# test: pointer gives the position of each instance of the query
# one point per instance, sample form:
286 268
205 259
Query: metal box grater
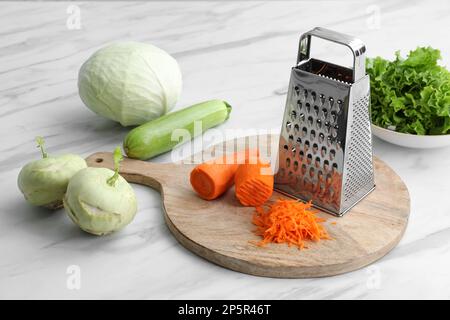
325 150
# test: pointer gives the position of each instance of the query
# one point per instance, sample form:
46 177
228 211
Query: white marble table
238 51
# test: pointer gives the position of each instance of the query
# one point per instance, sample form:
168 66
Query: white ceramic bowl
411 140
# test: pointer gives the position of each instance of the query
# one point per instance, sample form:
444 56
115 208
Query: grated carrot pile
289 221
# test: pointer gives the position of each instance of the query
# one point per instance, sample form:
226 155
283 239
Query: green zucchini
155 137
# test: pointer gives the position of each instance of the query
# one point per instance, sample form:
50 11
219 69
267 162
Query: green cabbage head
95 205
130 82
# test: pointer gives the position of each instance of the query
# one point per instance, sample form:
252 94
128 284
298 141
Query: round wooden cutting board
221 230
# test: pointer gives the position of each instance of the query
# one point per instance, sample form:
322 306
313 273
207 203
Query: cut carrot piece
212 178
253 183
289 221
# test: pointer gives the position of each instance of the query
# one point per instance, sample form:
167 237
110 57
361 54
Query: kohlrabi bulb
99 200
130 82
44 182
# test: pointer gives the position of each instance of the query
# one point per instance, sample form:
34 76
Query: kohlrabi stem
117 159
40 144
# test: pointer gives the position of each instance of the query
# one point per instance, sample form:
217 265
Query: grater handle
357 46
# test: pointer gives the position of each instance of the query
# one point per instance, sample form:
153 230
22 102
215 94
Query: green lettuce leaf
411 94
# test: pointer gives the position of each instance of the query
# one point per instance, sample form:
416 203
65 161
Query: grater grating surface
359 163
325 152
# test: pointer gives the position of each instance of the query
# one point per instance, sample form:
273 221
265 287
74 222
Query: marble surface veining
240 51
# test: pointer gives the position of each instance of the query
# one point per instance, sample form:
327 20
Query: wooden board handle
149 174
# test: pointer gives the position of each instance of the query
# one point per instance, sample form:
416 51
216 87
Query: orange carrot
289 221
212 178
253 183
